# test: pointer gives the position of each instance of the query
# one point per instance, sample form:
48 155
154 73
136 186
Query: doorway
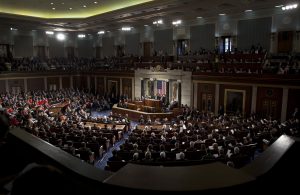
226 44
147 49
285 42
182 47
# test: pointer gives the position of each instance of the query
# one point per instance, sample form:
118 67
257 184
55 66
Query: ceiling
86 15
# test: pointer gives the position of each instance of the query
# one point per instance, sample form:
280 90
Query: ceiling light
70 8
60 37
49 32
288 7
176 23
158 22
126 28
101 32
279 6
53 8
84 6
51 3
222 14
62 3
199 17
95 2
81 35
248 10
13 28
146 25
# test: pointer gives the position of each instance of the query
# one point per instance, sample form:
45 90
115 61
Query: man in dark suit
296 114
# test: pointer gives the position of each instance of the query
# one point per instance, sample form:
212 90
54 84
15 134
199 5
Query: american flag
161 87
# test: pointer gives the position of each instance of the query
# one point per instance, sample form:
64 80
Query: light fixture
158 22
49 32
13 29
248 10
60 37
126 28
279 6
81 36
95 2
53 8
84 6
51 3
199 17
62 3
70 8
288 7
176 23
101 32
146 25
222 14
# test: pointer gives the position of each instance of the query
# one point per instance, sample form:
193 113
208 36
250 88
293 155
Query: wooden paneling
113 87
2 86
35 84
269 102
65 82
206 97
293 102
127 87
52 81
100 86
285 41
79 82
248 95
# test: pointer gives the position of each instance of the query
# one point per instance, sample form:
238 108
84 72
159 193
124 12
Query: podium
153 103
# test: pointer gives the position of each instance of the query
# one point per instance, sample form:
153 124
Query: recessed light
62 3
146 25
279 6
51 3
84 6
95 2
53 8
222 14
248 10
199 17
70 8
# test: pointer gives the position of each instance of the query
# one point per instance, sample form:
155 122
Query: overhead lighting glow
81 36
13 29
126 28
248 10
70 8
51 3
222 14
176 23
101 32
199 17
60 37
84 6
158 22
279 6
95 2
49 32
53 8
288 7
146 25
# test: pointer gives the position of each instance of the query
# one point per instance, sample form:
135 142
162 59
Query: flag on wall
161 87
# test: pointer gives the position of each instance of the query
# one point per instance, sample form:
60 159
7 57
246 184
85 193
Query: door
226 44
285 41
147 49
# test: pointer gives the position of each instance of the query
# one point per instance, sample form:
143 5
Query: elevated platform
135 114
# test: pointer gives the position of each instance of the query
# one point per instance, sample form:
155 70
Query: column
71 82
132 89
25 85
89 83
168 91
45 83
6 86
217 97
285 97
121 83
96 85
142 88
195 92
179 93
253 99
60 82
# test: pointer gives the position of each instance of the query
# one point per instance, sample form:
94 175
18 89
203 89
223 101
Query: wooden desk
56 108
135 115
153 103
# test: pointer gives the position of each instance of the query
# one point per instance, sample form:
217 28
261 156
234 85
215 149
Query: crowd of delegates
66 127
253 61
198 137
